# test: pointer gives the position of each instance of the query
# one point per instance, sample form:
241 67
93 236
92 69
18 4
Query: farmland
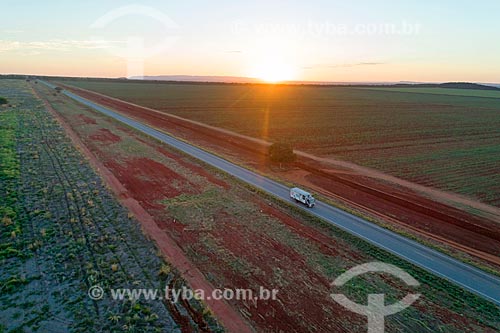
238 239
62 231
443 91
442 141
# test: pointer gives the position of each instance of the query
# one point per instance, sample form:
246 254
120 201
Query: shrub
281 152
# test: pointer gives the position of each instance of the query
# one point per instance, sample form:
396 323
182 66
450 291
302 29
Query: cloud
12 31
344 65
29 53
368 64
56 45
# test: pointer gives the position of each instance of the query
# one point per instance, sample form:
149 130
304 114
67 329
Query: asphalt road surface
466 276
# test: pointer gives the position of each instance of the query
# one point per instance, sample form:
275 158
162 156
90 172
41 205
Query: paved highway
466 276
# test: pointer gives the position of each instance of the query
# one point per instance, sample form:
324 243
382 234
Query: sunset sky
330 40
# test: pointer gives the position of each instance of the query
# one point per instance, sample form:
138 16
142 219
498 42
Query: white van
302 196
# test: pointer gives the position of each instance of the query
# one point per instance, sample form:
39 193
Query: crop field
448 142
62 232
443 91
240 239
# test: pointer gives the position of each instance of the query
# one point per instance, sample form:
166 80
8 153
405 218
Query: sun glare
273 72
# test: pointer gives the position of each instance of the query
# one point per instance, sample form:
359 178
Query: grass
440 140
8 156
11 221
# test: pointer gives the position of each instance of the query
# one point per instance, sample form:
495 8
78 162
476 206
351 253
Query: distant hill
449 85
466 85
496 85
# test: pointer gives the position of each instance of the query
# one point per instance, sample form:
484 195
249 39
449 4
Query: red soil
149 180
478 234
87 120
104 135
374 196
316 309
194 168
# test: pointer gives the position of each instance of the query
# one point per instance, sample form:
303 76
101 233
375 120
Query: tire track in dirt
57 166
44 281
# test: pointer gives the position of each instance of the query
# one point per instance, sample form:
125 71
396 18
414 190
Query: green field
443 141
444 91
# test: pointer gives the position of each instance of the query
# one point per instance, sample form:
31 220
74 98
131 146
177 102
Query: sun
273 71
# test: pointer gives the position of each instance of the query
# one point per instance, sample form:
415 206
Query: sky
314 40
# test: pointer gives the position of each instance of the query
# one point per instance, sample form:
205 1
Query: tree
3 100
281 152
